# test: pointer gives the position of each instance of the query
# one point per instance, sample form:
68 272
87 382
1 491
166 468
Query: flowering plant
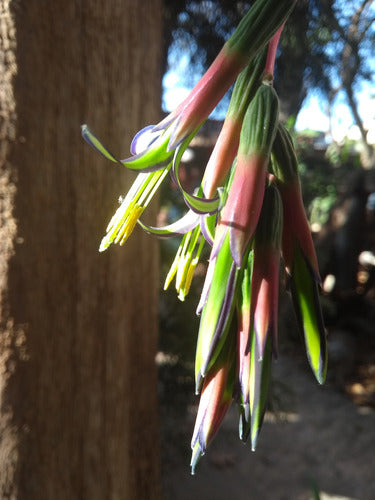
249 209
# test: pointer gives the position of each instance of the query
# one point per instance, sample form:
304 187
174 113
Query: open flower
153 162
153 147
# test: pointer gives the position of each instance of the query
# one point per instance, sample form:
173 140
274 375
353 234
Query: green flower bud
260 123
284 160
259 25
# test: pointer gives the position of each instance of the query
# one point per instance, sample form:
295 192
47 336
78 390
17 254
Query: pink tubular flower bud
216 398
265 280
244 203
296 229
222 156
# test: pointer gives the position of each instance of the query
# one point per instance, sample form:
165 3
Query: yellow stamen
139 196
129 224
189 275
182 272
172 272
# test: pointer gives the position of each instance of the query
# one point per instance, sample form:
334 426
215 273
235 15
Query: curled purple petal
147 169
198 204
143 139
94 142
190 201
150 160
188 222
205 230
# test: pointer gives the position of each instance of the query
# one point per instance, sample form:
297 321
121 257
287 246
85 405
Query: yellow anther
172 271
190 274
188 279
129 224
182 271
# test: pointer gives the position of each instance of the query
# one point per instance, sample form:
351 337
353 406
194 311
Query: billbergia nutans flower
249 209
252 34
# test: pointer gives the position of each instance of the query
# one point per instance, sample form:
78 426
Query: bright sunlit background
313 115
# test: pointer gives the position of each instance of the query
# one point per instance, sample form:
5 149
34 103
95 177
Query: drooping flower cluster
249 209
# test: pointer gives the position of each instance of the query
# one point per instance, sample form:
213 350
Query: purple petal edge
205 233
223 318
201 212
206 286
175 179
165 122
188 222
151 168
138 135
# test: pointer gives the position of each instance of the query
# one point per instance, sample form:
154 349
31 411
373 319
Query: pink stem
272 49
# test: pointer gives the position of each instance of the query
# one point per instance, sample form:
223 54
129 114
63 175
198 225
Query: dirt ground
318 436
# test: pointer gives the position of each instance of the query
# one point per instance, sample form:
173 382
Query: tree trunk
78 329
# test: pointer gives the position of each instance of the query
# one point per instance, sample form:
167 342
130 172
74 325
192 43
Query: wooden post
78 329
